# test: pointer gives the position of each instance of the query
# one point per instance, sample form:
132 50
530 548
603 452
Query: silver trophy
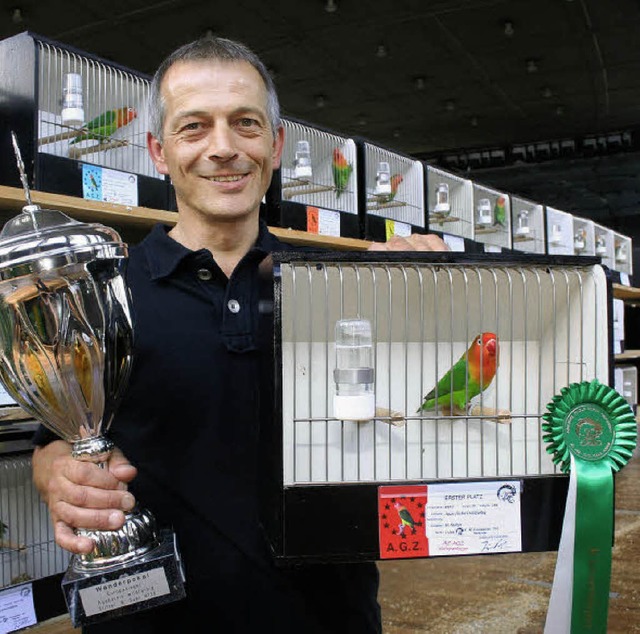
65 356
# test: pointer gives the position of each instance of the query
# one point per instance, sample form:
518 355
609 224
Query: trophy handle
138 535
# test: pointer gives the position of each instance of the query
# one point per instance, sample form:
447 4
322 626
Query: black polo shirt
201 386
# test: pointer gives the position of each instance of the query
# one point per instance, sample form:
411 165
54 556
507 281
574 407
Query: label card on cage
473 518
16 608
110 186
323 221
466 518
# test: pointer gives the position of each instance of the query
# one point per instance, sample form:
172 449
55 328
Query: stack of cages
316 187
604 246
527 222
389 454
392 193
626 383
584 236
450 208
31 564
623 257
492 219
81 124
559 232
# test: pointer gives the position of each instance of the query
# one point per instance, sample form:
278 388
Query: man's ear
157 154
278 145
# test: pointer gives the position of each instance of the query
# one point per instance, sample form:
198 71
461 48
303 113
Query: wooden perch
61 136
103 146
373 203
498 415
302 190
441 219
389 416
4 543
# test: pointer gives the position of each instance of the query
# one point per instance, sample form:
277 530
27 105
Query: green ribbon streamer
592 548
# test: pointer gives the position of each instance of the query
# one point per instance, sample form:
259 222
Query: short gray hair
212 49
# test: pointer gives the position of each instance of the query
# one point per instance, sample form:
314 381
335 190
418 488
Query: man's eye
247 122
194 125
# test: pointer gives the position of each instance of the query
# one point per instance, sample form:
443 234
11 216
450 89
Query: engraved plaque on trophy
65 356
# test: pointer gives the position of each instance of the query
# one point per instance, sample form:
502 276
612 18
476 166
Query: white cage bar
406 204
27 547
104 88
458 221
317 187
549 321
527 222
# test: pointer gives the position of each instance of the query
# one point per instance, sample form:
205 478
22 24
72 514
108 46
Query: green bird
342 170
468 377
406 521
500 212
104 125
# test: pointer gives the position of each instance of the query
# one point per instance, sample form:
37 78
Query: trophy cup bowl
65 356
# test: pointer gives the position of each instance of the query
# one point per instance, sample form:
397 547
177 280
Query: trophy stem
139 533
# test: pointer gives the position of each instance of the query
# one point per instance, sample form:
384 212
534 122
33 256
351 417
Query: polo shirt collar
164 254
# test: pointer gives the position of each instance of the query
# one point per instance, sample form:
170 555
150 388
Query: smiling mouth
230 178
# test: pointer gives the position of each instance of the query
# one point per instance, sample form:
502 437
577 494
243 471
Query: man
201 382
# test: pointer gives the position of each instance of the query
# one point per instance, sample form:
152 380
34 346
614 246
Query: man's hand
414 242
81 494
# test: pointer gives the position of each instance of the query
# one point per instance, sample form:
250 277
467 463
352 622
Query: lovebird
341 171
104 125
500 212
405 518
468 377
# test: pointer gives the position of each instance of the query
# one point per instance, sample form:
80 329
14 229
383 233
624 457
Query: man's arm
81 494
414 242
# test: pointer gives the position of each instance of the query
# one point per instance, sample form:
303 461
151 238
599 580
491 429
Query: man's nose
221 143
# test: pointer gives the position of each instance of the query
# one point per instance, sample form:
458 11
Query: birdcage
364 413
626 383
27 548
584 237
450 203
527 225
604 245
623 256
316 187
392 193
492 218
81 123
559 232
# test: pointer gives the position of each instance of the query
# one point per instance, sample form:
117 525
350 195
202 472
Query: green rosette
592 427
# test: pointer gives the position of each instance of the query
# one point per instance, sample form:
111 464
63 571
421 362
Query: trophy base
105 593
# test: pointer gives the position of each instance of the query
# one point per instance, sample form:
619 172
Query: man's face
218 147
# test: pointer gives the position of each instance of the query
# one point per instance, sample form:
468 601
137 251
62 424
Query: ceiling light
474 122
450 105
331 6
321 101
362 121
532 66
560 110
419 83
508 28
396 134
16 16
381 51
547 93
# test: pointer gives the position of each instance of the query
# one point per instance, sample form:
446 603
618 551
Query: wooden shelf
628 355
626 292
12 199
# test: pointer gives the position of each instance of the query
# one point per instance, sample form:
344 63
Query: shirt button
233 305
204 274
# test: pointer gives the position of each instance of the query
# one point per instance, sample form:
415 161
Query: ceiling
538 97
